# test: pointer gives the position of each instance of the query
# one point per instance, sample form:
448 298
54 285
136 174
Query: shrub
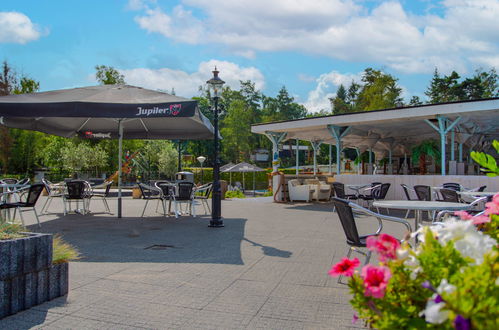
63 252
234 194
10 231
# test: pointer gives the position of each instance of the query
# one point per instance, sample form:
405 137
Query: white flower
467 239
433 312
445 287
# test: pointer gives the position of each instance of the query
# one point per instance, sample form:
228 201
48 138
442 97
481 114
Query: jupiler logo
173 110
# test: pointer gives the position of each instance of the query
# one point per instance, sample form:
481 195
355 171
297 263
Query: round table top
421 205
477 193
357 186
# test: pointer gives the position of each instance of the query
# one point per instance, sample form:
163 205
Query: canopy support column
315 145
330 158
444 126
460 152
452 146
297 156
338 132
120 162
275 138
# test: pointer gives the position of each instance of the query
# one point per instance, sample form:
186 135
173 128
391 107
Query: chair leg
407 214
348 256
144 210
37 220
64 204
44 205
21 215
108 210
193 208
175 209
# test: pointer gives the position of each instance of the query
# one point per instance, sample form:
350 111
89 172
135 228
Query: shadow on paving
151 239
317 206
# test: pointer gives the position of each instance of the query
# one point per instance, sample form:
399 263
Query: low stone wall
27 275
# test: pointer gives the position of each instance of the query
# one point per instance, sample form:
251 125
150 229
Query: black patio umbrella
107 111
244 168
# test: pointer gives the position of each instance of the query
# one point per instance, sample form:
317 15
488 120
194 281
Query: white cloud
464 35
17 28
187 84
318 99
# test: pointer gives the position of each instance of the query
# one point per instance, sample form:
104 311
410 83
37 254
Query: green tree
339 103
380 91
107 75
443 89
167 160
415 101
237 132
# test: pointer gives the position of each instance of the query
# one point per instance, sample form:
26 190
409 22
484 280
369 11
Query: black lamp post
215 84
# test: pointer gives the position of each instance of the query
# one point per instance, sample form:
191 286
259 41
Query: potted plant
425 148
33 268
447 281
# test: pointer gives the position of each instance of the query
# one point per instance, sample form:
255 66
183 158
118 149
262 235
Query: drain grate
159 247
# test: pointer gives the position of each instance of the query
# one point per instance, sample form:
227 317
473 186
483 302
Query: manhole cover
159 247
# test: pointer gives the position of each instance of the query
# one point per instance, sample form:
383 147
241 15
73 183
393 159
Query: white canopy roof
397 129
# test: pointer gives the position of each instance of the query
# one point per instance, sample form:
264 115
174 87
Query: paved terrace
267 269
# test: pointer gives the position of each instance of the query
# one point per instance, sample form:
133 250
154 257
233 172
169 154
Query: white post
330 158
297 155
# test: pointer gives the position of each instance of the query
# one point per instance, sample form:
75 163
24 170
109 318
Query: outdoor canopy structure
242 168
395 131
107 111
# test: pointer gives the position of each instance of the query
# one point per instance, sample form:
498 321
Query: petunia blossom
479 219
375 280
385 245
493 207
345 267
463 215
461 323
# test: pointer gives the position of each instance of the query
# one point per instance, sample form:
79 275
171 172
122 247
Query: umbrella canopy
243 168
93 112
107 111
226 167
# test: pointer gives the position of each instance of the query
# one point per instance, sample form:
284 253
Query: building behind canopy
457 127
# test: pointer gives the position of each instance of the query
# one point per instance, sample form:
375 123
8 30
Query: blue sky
310 46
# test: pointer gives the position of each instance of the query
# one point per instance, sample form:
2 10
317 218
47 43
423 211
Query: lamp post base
216 223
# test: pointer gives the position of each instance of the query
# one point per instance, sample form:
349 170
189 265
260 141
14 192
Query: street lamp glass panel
215 84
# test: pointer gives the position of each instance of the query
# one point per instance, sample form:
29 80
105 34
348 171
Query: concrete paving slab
266 269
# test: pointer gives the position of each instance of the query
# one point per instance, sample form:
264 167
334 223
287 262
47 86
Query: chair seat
362 241
12 205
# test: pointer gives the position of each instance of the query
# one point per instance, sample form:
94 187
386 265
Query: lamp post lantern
215 84
201 160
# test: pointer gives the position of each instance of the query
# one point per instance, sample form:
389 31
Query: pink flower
385 245
345 267
493 207
375 280
479 219
463 215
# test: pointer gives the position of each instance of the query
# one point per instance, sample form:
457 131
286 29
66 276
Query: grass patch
234 194
11 231
63 252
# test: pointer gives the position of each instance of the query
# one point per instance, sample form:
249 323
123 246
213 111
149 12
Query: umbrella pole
254 193
120 163
244 184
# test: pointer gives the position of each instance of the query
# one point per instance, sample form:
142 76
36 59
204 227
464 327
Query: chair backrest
108 188
406 191
166 187
76 189
208 191
34 193
482 188
339 189
381 192
9 180
184 190
347 221
423 192
452 185
47 184
23 181
147 191
449 195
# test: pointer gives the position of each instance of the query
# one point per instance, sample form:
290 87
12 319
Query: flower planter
27 275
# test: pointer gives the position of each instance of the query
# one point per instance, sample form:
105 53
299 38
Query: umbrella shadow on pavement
270 251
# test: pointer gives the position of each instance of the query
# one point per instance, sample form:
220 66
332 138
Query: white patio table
477 193
419 206
357 187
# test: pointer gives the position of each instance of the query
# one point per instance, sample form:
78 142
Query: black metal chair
185 195
204 195
408 196
345 210
482 188
102 195
423 192
76 190
339 191
378 192
52 192
452 185
32 196
151 193
449 195
9 180
168 194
